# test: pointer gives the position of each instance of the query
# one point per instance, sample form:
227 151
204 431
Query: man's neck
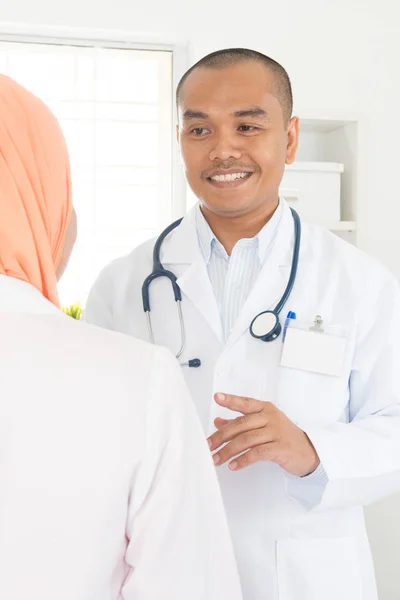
229 230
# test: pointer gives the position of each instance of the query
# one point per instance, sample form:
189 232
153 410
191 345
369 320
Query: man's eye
199 131
247 128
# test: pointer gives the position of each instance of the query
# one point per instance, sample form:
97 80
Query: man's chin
226 208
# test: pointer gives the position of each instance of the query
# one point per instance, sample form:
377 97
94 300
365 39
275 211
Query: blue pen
290 315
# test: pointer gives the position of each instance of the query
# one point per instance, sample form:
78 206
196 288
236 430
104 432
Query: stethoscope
266 326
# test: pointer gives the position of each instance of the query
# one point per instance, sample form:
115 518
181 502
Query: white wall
342 56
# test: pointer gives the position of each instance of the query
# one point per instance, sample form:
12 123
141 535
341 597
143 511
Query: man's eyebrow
253 111
194 114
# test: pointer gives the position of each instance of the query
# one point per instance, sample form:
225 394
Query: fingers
249 438
263 452
235 427
240 403
218 422
241 443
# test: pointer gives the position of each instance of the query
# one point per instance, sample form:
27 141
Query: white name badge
311 348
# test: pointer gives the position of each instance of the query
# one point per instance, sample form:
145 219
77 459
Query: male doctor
303 422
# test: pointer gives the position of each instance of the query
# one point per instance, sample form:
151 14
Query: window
115 109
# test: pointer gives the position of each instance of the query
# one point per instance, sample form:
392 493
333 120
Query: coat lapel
181 254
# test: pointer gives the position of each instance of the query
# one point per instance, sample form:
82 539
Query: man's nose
225 147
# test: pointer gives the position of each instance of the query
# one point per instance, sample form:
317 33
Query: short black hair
233 56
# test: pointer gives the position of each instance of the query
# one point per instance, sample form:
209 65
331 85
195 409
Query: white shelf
324 124
321 166
349 226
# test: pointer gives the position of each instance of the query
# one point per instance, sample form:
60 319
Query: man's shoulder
336 252
139 255
119 272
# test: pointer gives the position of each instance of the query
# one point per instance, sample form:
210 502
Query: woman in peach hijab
35 191
107 489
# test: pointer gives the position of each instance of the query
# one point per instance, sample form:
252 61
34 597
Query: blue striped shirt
233 277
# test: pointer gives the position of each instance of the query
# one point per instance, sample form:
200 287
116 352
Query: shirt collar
205 235
208 242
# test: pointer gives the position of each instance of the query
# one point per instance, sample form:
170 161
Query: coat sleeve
179 545
360 460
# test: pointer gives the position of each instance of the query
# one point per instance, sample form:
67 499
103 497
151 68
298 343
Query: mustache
224 166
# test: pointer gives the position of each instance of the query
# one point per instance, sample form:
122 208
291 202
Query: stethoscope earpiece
193 362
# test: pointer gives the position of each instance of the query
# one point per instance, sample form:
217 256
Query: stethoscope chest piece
266 326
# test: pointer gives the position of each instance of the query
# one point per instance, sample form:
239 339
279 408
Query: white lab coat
107 488
295 539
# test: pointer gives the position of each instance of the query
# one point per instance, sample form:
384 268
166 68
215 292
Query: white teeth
228 177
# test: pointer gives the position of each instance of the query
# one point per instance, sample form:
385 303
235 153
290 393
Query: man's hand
262 433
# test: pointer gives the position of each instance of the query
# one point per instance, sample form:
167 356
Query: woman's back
106 486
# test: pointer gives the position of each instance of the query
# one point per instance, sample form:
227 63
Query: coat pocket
319 569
